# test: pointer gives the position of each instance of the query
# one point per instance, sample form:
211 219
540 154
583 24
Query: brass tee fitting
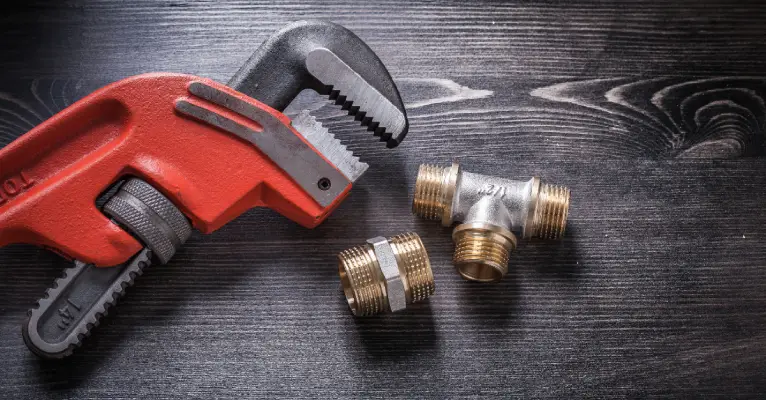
385 275
490 209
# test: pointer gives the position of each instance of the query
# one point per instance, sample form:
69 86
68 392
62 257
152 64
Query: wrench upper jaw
332 60
387 119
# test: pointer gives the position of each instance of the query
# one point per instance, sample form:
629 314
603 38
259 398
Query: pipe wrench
119 179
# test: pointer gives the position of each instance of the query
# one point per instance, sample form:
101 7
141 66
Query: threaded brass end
365 285
411 256
434 189
428 202
362 281
551 211
482 251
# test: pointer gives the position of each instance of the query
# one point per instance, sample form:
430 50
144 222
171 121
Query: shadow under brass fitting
489 209
385 275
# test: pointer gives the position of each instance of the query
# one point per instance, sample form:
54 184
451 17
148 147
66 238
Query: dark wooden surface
652 113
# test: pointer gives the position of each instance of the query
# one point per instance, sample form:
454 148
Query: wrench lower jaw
75 305
77 302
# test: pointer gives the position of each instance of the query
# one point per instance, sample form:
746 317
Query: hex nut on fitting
489 209
385 275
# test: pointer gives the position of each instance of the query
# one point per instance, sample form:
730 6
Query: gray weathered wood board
651 112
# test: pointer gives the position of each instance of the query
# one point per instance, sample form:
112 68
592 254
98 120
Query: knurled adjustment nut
397 298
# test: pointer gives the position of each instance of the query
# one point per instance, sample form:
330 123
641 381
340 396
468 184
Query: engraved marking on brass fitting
489 210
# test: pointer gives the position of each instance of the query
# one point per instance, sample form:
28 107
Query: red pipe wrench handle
212 151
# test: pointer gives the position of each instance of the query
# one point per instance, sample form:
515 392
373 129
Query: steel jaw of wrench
333 61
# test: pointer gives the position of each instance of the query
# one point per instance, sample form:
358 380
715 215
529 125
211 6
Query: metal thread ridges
364 283
477 251
550 220
417 268
429 202
362 280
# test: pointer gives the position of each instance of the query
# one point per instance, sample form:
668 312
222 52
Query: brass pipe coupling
385 275
489 210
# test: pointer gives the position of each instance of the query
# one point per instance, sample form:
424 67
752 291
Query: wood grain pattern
651 112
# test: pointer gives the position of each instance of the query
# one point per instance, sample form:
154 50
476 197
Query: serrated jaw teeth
354 94
360 115
330 147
